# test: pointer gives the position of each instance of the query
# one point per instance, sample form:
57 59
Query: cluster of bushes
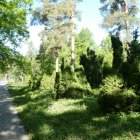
92 65
115 97
35 81
72 84
117 84
120 91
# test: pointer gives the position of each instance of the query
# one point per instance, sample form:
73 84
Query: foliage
57 17
92 64
106 44
35 82
32 51
114 97
76 118
72 84
77 91
107 69
118 13
15 73
117 52
126 71
112 83
14 66
13 29
134 47
120 17
47 82
134 61
106 51
53 15
7 57
36 75
46 61
13 21
83 41
54 11
131 69
40 64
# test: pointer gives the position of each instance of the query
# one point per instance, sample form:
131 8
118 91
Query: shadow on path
10 125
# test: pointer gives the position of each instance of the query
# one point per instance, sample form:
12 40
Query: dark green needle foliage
114 97
133 63
92 67
117 52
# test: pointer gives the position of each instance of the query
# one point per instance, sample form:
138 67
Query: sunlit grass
64 105
68 119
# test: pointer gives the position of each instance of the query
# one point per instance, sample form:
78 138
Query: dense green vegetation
13 30
72 88
70 119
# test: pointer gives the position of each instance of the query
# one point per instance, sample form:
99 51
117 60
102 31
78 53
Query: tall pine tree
59 15
120 16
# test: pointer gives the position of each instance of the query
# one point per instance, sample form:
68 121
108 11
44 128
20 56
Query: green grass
67 119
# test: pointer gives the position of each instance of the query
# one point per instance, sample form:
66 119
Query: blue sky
90 18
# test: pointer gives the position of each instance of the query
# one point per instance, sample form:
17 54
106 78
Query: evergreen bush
35 82
72 84
114 97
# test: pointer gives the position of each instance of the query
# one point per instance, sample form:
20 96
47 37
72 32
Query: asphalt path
10 125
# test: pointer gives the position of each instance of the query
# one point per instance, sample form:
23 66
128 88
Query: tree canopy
13 23
119 14
13 27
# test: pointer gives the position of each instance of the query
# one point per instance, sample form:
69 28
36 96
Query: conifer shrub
114 97
47 82
35 81
76 90
135 81
138 104
36 75
72 84
92 63
107 70
125 71
135 74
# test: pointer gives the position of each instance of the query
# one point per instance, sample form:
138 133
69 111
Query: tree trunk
57 78
72 40
56 60
126 27
72 44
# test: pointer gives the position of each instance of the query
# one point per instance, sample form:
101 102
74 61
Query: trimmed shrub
111 83
35 81
107 70
75 90
114 97
72 84
47 82
92 64
138 104
135 81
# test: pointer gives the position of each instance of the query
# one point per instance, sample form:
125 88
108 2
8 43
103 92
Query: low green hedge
114 97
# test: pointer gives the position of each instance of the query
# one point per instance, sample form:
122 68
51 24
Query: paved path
10 126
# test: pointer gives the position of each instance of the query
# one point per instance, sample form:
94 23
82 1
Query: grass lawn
67 119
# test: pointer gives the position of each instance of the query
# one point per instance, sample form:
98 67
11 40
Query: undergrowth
71 119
